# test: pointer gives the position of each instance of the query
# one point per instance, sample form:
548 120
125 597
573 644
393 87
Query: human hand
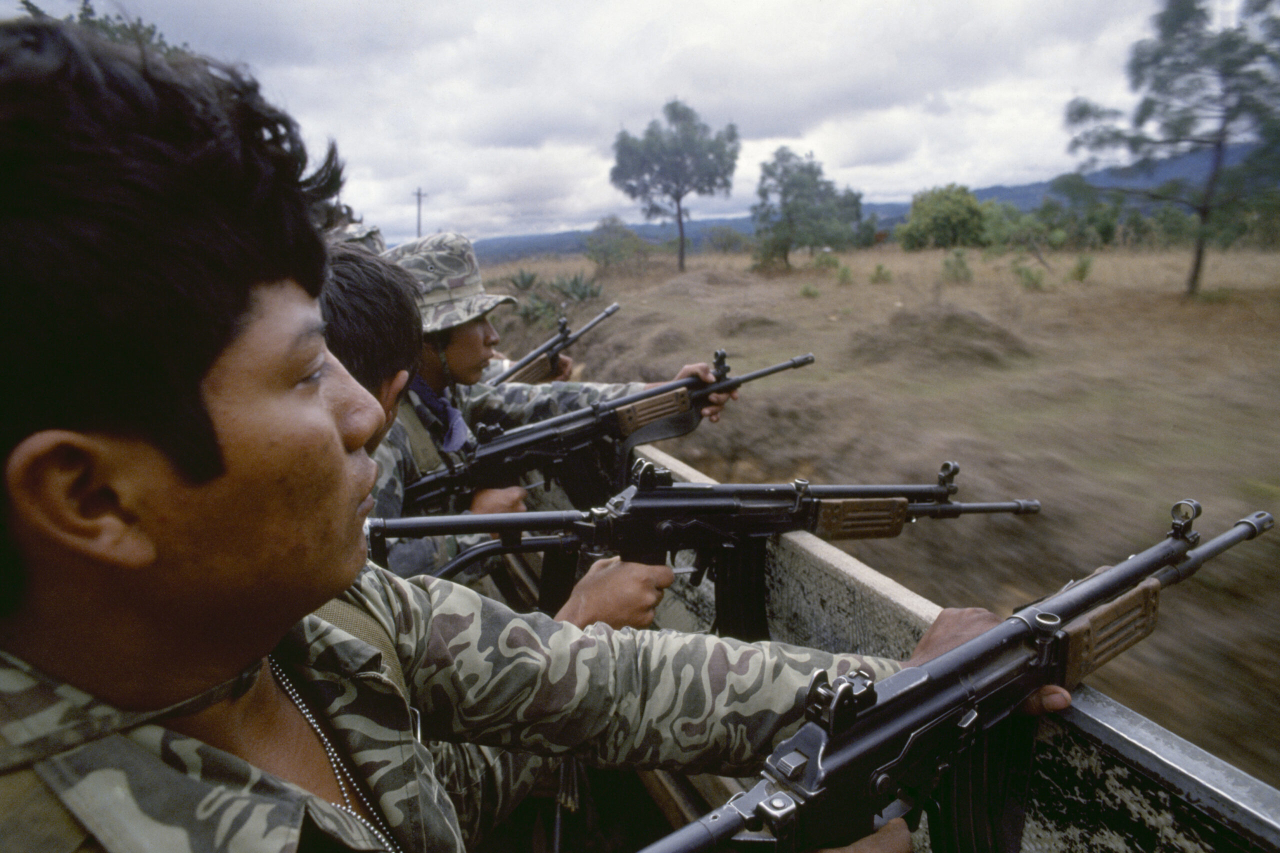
487 501
956 625
703 371
617 593
564 369
893 837
953 626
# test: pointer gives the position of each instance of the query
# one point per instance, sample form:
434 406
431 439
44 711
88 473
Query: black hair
142 200
372 324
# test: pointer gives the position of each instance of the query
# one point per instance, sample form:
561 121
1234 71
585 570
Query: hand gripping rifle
727 524
555 444
534 368
945 737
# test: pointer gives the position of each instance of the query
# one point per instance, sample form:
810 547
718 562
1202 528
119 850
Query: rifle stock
945 737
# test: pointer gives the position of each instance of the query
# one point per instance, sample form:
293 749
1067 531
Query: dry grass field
1107 400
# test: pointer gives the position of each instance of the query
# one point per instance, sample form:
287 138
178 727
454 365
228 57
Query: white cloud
505 112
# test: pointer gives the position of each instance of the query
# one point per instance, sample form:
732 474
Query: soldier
373 326
170 527
447 398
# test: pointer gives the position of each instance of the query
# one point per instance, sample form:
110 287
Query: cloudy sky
504 112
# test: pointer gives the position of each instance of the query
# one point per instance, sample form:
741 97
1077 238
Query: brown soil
1107 400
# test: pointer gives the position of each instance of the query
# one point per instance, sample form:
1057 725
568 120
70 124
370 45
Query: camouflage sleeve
416 556
615 698
514 404
395 468
485 783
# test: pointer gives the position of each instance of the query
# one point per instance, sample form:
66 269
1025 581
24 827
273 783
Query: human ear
390 392
65 488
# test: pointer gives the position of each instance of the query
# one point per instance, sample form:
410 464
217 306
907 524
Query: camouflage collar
72 717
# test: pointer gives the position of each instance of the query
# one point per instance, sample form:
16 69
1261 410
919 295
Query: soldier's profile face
284 520
470 349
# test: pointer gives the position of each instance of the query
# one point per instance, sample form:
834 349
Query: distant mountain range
1024 197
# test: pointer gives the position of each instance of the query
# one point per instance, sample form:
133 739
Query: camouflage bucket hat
369 236
449 291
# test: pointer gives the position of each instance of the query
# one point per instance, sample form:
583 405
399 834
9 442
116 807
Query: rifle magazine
861 518
980 802
1095 637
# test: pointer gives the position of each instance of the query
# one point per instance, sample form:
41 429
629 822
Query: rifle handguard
536 371
861 518
1095 637
636 415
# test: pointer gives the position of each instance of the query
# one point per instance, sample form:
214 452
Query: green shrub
881 275
722 238
1217 296
1031 278
523 280
826 261
1080 271
537 309
576 288
845 275
955 267
810 292
612 245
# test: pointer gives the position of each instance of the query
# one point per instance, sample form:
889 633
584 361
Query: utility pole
421 195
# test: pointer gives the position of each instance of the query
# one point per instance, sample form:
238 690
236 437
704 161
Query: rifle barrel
952 510
592 323
1243 530
440 525
553 346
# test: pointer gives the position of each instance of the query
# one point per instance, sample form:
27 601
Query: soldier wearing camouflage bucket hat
450 291
373 326
448 397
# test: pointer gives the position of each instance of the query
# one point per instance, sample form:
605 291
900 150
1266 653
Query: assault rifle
945 737
534 368
728 525
502 457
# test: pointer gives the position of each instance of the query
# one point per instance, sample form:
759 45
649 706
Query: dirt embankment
1107 400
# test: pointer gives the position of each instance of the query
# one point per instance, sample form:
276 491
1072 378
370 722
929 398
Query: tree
943 217
116 27
1202 90
668 163
799 208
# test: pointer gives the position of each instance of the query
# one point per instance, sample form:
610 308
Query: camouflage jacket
474 671
411 449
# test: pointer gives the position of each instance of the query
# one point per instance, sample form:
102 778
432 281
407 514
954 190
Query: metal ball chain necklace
346 782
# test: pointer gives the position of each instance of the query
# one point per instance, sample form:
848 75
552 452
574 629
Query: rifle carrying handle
1095 637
